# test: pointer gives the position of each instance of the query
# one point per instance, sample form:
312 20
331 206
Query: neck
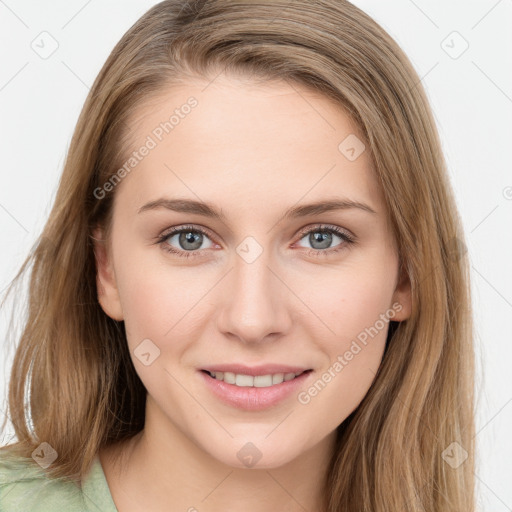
162 466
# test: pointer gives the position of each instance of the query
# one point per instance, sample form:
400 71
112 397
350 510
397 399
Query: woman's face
260 286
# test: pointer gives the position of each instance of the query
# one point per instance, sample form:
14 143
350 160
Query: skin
253 151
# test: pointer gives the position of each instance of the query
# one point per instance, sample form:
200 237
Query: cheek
159 301
161 305
357 311
351 299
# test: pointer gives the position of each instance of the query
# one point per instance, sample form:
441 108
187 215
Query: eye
188 239
321 239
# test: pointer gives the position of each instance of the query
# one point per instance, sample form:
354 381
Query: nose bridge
254 305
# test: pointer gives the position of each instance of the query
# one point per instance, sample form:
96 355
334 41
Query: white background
471 95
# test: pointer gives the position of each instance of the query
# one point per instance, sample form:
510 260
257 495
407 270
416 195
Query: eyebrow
208 210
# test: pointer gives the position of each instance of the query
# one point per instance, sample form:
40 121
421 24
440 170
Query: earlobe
108 294
402 297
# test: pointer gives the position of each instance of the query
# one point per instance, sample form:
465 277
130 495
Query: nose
255 303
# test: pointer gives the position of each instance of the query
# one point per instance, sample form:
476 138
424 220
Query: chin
260 453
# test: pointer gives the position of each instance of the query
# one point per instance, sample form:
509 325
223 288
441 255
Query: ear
402 296
108 295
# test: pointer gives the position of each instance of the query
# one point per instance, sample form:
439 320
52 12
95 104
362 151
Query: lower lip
252 398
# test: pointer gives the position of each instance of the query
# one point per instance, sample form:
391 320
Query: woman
185 349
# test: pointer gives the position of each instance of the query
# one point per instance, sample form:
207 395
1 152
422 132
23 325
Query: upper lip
264 369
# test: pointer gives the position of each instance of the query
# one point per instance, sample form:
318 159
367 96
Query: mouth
244 380
256 388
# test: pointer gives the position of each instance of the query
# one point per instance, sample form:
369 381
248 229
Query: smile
258 381
257 388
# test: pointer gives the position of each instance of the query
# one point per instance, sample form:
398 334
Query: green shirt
24 487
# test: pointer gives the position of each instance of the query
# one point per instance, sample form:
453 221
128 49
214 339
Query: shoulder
24 486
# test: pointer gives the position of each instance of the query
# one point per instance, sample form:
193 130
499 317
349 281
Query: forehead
233 140
226 104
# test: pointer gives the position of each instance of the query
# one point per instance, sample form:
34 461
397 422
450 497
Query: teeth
244 380
277 378
228 377
260 381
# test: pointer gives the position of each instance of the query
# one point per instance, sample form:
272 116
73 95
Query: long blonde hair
73 358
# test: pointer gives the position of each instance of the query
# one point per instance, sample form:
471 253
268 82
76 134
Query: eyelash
347 240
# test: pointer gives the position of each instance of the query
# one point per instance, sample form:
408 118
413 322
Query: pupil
190 238
323 238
